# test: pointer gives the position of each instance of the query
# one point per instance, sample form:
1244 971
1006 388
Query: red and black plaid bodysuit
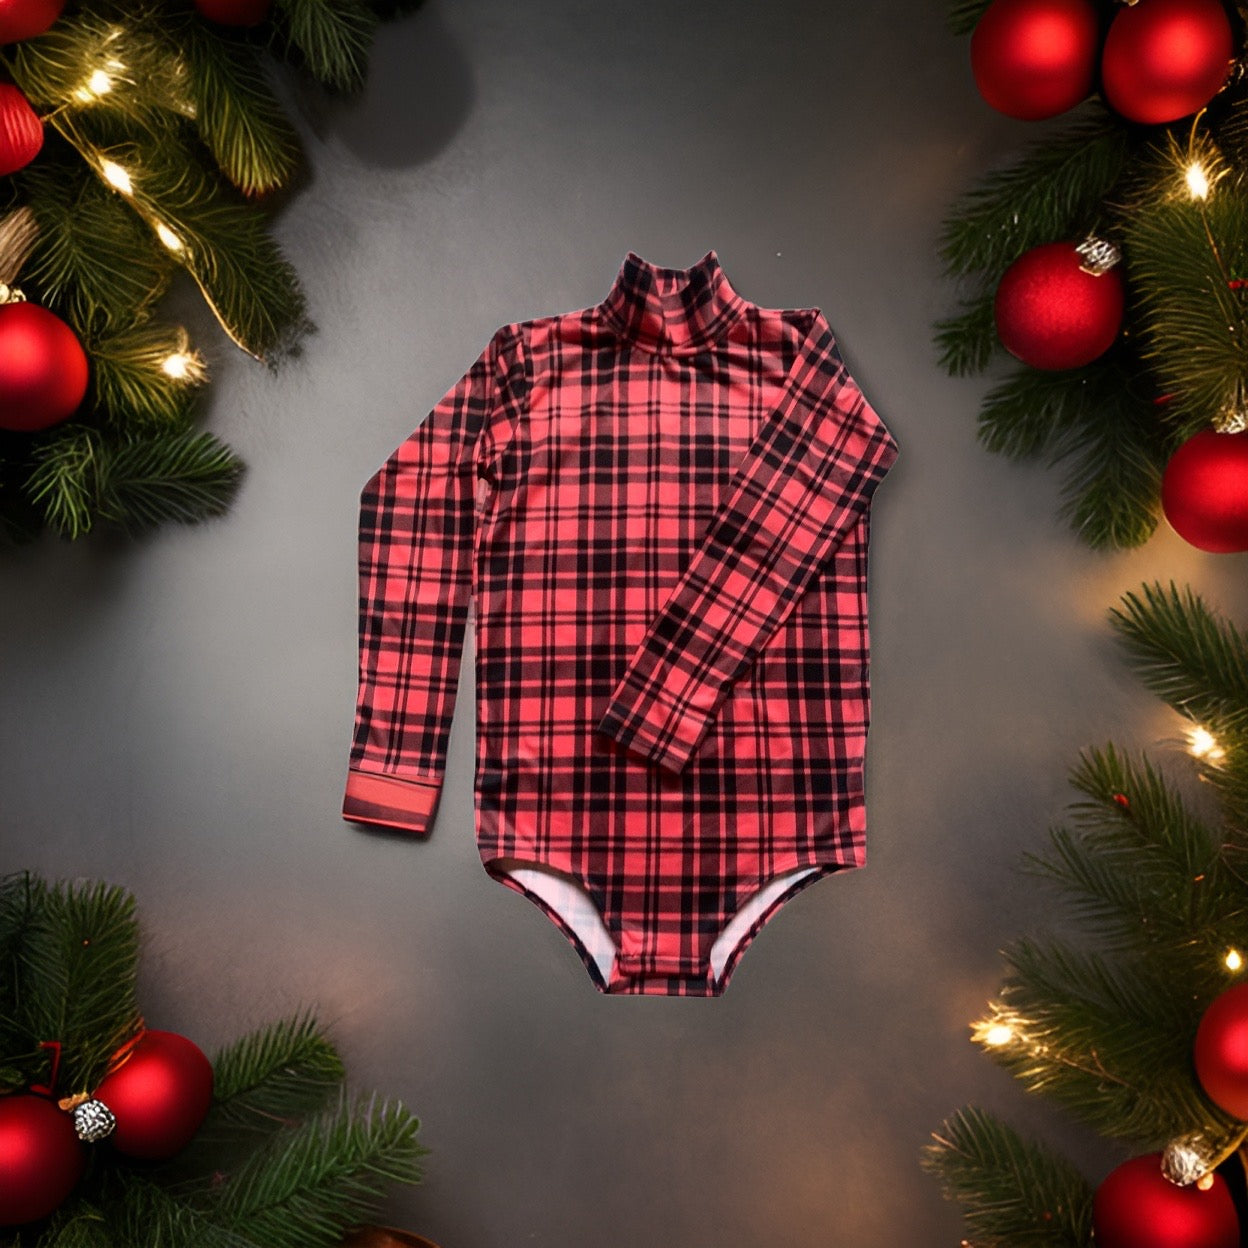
659 506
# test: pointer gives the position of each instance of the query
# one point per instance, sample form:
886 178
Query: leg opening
732 942
569 905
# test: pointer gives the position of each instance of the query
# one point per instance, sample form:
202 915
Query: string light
1197 180
1233 960
1202 744
168 237
183 365
116 177
992 1032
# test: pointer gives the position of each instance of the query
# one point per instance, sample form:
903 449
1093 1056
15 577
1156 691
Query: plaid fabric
660 506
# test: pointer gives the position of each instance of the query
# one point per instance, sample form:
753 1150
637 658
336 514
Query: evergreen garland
163 134
1181 362
285 1158
1104 1025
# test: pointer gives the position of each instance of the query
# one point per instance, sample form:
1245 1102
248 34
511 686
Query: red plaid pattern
660 505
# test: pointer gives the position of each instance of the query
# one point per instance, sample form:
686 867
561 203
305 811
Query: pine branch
131 481
1128 871
268 1079
1113 482
145 1213
1181 256
131 383
1109 1041
313 1181
94 258
238 116
1055 191
62 483
1107 436
221 241
1189 657
1014 1193
78 964
968 342
332 37
181 476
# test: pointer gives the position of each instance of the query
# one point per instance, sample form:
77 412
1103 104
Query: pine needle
1015 1194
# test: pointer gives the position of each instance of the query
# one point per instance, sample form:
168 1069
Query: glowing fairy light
1202 744
116 177
1197 180
998 1034
1233 960
183 366
168 237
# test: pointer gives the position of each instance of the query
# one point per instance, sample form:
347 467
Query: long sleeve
806 479
416 550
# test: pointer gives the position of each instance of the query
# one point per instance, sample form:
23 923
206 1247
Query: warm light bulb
99 83
1201 743
1233 961
116 177
998 1034
1197 180
183 366
168 237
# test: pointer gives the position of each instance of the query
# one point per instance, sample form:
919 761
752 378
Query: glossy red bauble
40 1158
234 12
1051 314
1138 1207
1221 1049
159 1095
1035 58
21 131
1165 59
24 19
1204 493
43 368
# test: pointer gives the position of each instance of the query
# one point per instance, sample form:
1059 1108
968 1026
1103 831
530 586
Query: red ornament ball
21 131
1051 314
24 19
1138 1207
43 368
40 1158
1221 1049
234 12
1035 58
1165 59
159 1095
1204 494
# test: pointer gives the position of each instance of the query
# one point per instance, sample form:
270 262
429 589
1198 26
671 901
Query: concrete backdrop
177 712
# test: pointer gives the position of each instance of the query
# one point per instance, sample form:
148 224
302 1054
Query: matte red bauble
159 1095
40 1158
24 19
1138 1207
43 368
1051 314
1165 59
1035 58
1221 1049
234 12
1204 493
21 131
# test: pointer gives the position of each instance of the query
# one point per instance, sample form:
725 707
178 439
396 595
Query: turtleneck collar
670 311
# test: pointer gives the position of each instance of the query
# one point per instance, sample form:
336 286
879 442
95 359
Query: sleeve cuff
670 747
390 801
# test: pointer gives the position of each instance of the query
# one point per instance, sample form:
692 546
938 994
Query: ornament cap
1187 1160
1097 255
93 1120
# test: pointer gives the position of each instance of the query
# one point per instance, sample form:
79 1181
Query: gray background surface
176 713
